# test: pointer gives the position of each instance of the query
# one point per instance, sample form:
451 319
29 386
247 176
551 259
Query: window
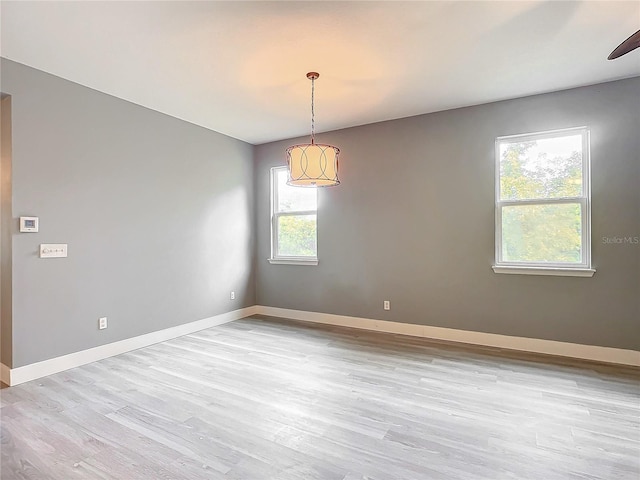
543 203
293 221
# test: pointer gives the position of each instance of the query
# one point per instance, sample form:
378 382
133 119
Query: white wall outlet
387 305
102 323
232 296
53 250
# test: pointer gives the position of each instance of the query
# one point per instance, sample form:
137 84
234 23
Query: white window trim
293 261
584 268
280 259
549 271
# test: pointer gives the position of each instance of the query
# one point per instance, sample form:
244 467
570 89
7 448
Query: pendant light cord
313 114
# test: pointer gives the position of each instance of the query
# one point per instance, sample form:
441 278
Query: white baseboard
535 345
15 376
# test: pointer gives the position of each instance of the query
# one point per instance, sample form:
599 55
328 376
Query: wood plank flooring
270 399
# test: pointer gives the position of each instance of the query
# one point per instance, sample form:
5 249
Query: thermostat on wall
28 224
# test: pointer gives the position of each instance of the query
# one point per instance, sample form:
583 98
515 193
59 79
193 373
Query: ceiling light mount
313 164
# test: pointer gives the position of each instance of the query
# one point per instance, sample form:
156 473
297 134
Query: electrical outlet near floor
232 296
102 323
387 305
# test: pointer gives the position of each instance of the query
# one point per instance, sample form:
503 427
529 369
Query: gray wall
5 230
413 223
159 218
157 212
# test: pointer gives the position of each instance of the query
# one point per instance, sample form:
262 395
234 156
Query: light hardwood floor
276 400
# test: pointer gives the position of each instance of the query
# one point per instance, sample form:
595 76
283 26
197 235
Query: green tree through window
294 215
542 199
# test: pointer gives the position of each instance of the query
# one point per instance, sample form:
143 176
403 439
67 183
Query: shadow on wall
226 239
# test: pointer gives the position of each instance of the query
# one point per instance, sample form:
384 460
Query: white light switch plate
53 250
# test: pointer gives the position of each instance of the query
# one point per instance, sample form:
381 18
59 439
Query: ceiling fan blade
625 47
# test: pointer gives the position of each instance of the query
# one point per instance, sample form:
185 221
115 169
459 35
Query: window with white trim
293 221
543 216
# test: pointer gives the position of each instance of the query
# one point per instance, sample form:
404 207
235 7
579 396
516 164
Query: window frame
582 269
276 258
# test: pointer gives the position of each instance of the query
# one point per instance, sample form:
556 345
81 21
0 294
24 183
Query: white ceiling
239 67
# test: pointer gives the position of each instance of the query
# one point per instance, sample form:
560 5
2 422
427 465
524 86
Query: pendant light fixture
313 164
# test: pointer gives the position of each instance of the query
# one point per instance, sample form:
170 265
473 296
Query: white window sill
552 271
293 261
